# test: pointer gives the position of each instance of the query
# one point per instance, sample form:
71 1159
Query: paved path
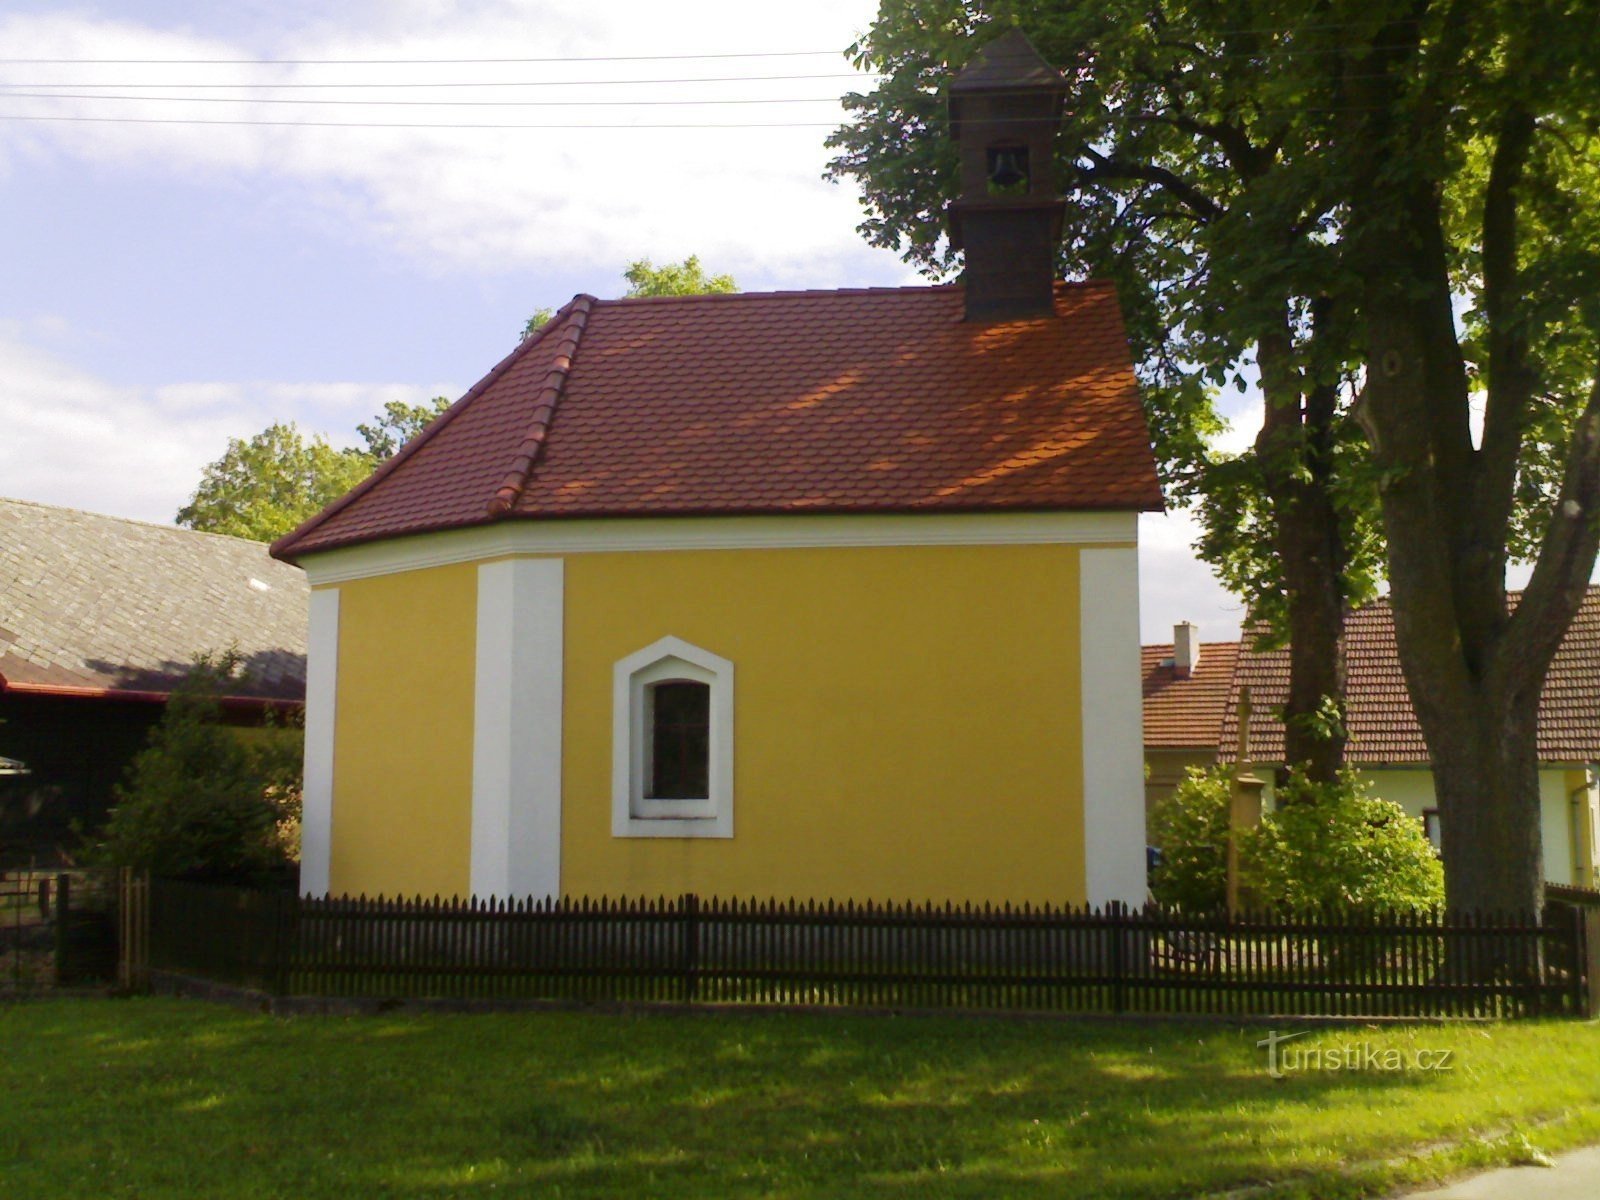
1575 1176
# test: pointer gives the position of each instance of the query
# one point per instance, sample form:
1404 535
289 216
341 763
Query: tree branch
1191 197
1566 558
1510 380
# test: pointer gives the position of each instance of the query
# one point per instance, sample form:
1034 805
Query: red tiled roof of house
880 400
1383 727
1185 712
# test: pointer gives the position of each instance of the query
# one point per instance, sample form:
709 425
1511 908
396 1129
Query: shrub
1190 828
203 800
1338 846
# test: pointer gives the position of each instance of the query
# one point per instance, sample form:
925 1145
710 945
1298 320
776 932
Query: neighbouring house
1386 743
99 618
813 594
1186 687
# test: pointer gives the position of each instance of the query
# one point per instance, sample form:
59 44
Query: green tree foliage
1327 845
396 425
1389 208
687 278
1339 846
203 800
265 485
1190 828
540 318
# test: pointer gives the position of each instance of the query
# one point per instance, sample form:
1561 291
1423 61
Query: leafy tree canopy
264 486
686 278
397 424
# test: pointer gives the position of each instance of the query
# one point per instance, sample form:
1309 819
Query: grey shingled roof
90 601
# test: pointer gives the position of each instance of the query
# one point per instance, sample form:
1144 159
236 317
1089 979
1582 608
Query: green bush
203 800
1338 846
1190 828
1327 846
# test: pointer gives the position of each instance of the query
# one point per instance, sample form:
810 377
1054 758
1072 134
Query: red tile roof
880 400
1383 727
1185 713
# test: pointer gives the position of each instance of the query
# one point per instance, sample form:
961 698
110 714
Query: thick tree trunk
1295 450
1487 780
1475 669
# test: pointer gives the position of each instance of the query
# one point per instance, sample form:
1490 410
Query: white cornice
717 533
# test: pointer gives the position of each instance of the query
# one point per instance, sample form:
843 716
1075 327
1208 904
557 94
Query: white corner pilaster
516 753
1113 726
322 685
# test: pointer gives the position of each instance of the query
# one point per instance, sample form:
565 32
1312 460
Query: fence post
63 907
278 969
1119 966
1587 959
690 905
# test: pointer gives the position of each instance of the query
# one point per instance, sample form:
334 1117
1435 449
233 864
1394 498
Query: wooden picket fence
57 928
1029 959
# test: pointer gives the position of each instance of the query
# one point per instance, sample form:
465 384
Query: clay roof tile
771 403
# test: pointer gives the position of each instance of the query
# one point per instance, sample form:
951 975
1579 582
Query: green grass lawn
179 1098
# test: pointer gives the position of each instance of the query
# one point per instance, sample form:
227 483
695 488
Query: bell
1008 167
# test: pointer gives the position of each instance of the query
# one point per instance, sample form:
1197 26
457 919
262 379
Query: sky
200 267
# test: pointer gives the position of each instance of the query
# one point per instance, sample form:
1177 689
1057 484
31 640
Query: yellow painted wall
402 774
906 721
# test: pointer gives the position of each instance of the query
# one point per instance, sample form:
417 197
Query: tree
1471 171
1390 206
397 424
264 486
540 318
202 800
687 278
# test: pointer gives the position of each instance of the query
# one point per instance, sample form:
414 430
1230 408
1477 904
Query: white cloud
1175 586
472 199
138 452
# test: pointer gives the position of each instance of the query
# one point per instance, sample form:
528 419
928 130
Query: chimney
1185 649
1005 108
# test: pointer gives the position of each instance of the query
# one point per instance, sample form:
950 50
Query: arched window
672 743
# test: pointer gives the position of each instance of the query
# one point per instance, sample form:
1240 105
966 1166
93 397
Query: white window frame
633 814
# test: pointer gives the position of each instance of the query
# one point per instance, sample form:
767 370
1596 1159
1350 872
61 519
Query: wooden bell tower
1005 108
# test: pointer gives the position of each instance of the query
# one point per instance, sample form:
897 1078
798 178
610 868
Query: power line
10 95
474 83
421 125
396 62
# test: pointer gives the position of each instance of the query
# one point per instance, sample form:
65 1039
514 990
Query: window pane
680 741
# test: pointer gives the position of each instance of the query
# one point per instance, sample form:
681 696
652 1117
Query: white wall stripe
516 758
1113 733
322 684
